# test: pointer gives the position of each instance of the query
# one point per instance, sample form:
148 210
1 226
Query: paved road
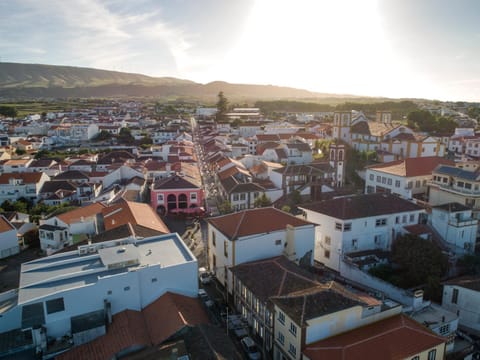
10 268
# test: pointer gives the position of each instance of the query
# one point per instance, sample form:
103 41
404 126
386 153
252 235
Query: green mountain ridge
20 81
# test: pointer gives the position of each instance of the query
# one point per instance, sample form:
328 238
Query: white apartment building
407 178
111 276
256 234
358 223
83 132
16 185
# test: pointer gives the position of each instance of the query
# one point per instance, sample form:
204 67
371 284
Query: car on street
204 276
250 348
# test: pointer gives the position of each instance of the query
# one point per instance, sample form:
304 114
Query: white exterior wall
467 307
123 172
256 247
363 230
460 232
9 243
181 278
407 186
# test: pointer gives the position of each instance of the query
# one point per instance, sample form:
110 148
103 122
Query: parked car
251 348
204 276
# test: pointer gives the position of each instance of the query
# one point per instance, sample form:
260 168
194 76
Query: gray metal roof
457 172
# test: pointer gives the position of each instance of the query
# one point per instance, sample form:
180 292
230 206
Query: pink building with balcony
176 194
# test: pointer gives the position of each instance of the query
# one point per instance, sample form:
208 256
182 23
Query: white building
462 297
358 223
16 185
110 276
8 238
83 132
68 228
256 234
408 178
454 222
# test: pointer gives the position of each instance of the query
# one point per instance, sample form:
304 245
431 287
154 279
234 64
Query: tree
423 120
262 201
222 107
446 126
225 207
8 111
420 261
286 208
125 136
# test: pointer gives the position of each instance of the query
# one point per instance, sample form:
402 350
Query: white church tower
337 161
342 120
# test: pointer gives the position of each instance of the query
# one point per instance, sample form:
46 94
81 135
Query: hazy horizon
410 49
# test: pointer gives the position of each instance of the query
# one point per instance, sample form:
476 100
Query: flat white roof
60 272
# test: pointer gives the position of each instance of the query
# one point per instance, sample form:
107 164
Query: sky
392 48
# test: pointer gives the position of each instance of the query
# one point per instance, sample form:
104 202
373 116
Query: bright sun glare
338 46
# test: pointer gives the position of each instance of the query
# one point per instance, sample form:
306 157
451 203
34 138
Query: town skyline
396 49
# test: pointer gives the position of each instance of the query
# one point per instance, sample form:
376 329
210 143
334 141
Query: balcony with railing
455 189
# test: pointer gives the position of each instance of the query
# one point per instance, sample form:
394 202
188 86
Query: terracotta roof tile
77 214
173 312
255 221
411 167
153 325
5 225
125 212
395 338
28 178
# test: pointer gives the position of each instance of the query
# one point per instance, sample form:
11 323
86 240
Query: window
409 185
326 253
281 317
328 240
160 197
193 196
384 180
213 238
432 354
235 197
278 242
292 350
338 226
293 329
154 280
454 296
404 219
397 220
397 183
389 181
381 222
372 177
444 329
242 196
255 195
418 183
379 179
412 218
126 288
55 305
109 292
377 239
281 338
416 358
214 261
225 248
347 226
354 243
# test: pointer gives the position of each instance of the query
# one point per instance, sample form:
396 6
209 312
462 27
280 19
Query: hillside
19 81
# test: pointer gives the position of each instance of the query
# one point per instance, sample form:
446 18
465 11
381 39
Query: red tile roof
83 212
398 337
154 324
134 213
5 225
170 313
255 221
411 167
28 178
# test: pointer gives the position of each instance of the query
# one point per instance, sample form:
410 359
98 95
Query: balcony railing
455 189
